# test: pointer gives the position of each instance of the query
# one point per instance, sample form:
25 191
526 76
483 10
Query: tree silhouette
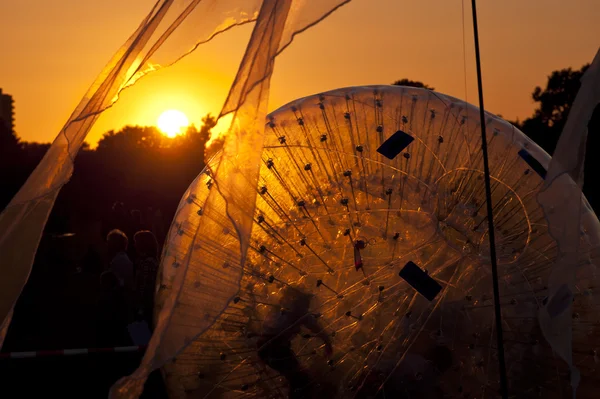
208 122
412 83
11 155
8 139
132 138
136 165
554 104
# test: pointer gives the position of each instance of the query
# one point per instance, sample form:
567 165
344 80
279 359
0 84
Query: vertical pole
490 216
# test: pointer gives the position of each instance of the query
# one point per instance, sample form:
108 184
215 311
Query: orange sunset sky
51 51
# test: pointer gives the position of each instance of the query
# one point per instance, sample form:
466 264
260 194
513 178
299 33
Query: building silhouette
7 115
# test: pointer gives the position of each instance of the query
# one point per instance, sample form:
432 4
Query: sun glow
172 122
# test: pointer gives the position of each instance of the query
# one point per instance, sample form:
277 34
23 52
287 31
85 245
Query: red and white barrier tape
71 352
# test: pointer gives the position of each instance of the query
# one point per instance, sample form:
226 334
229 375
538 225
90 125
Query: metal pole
490 217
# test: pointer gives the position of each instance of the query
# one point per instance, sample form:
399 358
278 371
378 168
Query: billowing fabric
561 200
23 220
172 29
223 225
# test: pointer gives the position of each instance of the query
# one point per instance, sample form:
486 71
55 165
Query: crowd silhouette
95 269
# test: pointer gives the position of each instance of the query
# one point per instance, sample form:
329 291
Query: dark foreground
86 376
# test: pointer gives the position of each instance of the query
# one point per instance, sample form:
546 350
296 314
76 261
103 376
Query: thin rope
464 49
490 216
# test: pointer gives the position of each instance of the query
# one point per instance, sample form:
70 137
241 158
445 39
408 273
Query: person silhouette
279 329
120 263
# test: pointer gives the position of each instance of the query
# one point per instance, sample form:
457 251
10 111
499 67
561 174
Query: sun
171 122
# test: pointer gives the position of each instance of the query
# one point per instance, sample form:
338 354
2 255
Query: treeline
136 166
142 168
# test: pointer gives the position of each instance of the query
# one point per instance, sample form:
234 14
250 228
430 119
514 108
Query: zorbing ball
370 235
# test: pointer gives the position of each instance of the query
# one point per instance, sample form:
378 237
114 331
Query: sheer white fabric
563 204
22 222
172 29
